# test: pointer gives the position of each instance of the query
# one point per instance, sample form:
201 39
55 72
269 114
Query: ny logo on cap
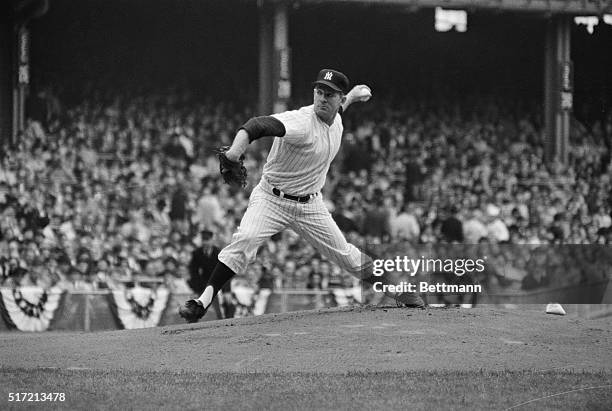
328 75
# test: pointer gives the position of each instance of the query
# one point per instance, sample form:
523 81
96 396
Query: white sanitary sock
207 296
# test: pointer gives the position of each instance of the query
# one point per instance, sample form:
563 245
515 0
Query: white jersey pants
268 214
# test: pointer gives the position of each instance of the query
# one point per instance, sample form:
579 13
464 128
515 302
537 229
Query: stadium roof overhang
575 7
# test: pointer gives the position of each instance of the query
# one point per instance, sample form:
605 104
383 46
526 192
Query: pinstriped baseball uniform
297 165
289 193
299 161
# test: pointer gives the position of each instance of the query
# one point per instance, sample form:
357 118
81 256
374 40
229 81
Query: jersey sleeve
296 122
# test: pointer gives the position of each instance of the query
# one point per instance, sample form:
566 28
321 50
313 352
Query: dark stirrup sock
220 275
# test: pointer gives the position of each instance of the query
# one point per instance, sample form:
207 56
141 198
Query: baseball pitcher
289 193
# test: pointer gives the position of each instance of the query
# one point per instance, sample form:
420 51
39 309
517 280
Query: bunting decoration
139 307
29 308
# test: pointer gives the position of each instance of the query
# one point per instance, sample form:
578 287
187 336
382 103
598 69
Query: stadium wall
95 311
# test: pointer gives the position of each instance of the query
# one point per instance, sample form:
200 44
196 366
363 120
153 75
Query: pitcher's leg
262 219
317 226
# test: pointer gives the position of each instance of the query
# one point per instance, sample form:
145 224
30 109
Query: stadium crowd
119 187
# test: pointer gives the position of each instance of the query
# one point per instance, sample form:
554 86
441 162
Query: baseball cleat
192 310
410 300
555 308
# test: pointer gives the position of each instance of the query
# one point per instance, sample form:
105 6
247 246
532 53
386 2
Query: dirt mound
333 340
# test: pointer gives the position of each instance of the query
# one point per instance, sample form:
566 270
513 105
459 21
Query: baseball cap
333 79
206 234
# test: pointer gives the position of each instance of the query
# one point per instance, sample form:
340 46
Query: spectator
405 226
452 228
376 221
497 229
203 260
95 178
474 229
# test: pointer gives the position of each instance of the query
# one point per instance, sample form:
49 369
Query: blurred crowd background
114 178
121 185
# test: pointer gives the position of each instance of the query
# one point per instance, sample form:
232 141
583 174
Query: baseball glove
233 172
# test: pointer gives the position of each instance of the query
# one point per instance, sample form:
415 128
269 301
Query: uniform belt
303 199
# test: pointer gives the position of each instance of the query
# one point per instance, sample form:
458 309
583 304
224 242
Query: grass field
484 390
330 359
